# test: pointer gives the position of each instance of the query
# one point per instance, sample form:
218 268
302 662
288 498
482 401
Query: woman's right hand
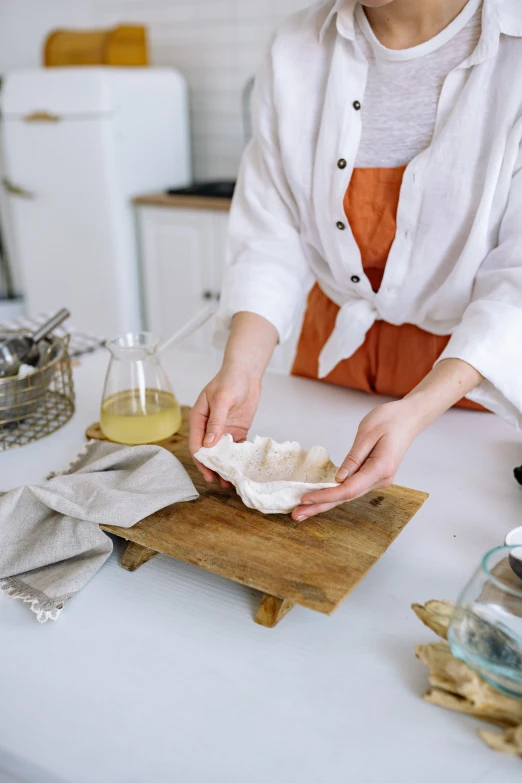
229 402
227 405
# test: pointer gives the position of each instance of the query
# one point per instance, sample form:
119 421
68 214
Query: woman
386 172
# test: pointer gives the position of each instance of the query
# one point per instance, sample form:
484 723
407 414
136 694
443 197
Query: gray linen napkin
50 542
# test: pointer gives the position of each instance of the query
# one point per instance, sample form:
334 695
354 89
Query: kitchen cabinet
181 252
182 249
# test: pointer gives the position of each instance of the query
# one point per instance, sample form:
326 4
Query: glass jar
138 403
485 630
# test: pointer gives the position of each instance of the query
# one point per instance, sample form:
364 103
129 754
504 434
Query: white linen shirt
455 266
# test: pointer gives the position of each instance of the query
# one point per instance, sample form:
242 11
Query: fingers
306 511
198 418
197 427
303 512
207 420
217 418
207 474
204 419
375 473
362 446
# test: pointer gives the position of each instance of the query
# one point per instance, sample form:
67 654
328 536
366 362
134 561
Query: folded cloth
50 540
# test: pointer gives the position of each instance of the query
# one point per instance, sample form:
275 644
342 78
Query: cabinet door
178 259
183 256
220 234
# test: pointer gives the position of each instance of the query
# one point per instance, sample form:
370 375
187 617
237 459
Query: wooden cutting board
314 564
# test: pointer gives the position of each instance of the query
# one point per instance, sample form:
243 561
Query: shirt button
355 279
341 163
356 105
340 226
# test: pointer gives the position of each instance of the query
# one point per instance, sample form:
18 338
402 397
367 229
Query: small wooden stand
272 609
454 685
314 564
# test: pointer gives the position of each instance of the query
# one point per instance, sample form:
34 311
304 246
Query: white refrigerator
78 144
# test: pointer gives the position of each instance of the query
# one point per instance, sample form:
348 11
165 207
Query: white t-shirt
404 85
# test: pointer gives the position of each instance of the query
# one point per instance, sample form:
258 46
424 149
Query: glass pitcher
138 404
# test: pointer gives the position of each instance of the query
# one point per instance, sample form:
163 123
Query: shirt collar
343 12
499 17
509 15
504 16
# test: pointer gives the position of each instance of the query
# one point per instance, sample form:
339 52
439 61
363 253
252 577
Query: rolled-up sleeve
267 272
489 336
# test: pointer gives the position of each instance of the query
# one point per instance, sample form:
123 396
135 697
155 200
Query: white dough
268 476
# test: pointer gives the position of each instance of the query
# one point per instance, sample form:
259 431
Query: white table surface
161 675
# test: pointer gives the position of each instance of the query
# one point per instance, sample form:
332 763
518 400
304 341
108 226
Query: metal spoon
189 328
22 348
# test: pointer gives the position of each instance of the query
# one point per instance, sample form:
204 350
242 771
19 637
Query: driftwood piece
455 686
510 741
436 615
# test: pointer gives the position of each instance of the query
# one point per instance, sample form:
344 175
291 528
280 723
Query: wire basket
35 405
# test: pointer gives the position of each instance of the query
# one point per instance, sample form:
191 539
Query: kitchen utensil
22 348
315 563
138 403
123 45
513 538
6 277
9 361
193 325
486 626
80 342
216 189
21 396
36 404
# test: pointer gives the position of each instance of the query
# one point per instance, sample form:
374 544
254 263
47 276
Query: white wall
24 25
217 44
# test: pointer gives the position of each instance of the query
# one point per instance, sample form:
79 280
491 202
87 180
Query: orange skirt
392 359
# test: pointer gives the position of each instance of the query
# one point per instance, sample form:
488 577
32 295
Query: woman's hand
227 404
386 433
382 440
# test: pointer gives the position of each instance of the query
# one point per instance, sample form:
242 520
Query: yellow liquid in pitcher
126 418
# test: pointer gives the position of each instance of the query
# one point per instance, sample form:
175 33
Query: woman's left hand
386 433
382 440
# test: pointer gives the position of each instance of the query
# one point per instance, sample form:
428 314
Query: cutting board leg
272 609
135 555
